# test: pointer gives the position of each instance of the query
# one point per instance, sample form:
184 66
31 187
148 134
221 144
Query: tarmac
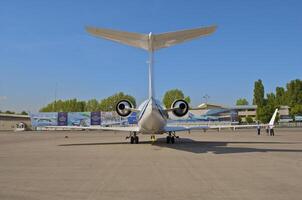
103 165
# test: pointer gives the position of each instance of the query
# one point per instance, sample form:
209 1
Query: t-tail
151 42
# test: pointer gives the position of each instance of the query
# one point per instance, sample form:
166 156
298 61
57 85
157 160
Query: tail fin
272 121
158 40
151 42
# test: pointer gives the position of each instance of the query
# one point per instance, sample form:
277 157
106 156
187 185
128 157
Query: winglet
272 121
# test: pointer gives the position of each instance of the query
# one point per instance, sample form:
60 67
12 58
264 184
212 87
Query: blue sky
44 44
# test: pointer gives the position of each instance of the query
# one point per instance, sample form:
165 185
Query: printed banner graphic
78 119
84 119
95 118
44 119
62 118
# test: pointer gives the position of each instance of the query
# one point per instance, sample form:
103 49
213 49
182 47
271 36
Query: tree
281 96
294 92
260 101
263 114
296 110
258 93
271 101
239 119
249 119
9 112
187 99
242 101
172 95
109 103
92 105
24 113
70 105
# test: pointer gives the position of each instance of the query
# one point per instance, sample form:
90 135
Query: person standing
258 128
272 132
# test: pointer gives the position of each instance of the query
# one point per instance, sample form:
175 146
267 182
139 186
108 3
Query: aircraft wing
113 128
237 126
184 128
205 127
203 106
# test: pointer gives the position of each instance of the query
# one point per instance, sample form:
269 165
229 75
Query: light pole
206 97
54 105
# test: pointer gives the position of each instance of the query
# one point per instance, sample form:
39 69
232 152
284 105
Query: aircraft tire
136 140
131 139
172 140
168 139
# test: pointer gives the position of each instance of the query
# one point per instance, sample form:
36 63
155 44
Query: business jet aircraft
152 116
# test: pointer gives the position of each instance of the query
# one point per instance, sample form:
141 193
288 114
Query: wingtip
88 28
214 27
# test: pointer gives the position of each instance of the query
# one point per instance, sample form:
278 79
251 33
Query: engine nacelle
121 108
181 108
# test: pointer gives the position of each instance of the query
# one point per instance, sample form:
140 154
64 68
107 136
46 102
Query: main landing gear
171 138
133 138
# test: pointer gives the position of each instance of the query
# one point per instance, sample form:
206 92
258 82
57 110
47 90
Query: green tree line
106 104
172 95
242 102
290 95
74 105
12 112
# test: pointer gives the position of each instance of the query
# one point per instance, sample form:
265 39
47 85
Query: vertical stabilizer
151 42
150 62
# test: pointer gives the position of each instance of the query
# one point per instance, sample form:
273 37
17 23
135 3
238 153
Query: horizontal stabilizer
172 38
131 39
151 42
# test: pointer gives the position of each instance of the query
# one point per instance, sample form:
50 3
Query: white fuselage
152 118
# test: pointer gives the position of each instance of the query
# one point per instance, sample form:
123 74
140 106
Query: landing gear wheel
136 140
131 139
168 139
172 139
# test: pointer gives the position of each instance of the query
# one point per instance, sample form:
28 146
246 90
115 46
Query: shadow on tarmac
216 147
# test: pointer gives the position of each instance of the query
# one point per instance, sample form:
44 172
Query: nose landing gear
153 139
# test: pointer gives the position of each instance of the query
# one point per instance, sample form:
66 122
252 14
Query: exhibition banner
44 119
95 118
62 118
78 119
110 118
84 119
